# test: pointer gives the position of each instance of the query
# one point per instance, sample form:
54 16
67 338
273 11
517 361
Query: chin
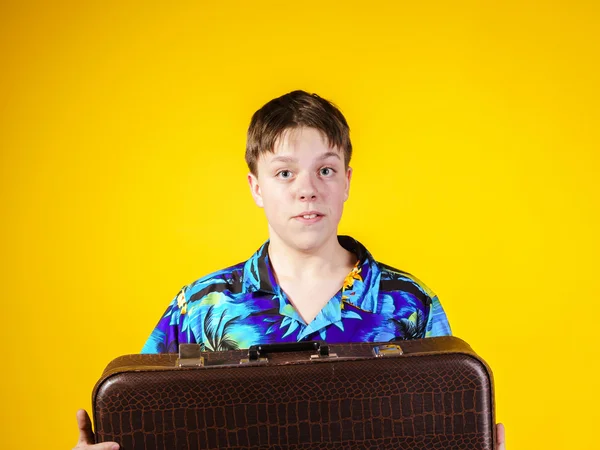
308 241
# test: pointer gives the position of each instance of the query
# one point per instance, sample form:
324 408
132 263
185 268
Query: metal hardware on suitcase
433 393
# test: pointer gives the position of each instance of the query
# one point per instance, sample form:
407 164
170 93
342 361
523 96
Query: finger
104 446
86 435
500 437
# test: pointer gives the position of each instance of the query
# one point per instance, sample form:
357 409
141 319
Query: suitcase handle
256 351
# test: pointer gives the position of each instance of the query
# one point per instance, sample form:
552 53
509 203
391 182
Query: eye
327 171
285 174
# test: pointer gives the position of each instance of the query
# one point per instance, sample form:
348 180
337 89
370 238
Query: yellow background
475 127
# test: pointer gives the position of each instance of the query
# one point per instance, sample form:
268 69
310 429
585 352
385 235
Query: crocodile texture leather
438 395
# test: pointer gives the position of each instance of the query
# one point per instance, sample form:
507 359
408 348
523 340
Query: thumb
500 437
86 435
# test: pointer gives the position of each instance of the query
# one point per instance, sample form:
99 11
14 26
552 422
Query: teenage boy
306 282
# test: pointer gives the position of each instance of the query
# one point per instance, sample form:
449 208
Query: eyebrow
328 154
290 159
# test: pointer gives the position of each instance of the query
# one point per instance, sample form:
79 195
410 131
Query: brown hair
294 110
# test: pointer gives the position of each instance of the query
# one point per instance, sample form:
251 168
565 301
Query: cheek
273 198
338 192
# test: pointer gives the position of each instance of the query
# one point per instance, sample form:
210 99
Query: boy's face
302 187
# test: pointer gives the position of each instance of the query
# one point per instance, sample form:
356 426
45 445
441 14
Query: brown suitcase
433 393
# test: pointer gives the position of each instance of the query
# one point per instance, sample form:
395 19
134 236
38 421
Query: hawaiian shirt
243 305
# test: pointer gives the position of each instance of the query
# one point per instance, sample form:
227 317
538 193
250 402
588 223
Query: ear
255 190
348 178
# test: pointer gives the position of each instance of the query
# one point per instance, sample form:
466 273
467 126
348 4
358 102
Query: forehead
303 142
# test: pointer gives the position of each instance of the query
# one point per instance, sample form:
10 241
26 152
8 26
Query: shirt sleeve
437 322
167 335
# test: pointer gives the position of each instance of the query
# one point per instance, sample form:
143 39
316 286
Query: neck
293 263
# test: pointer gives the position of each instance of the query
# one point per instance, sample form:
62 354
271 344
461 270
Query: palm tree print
411 328
217 331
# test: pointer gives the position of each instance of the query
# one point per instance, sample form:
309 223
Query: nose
307 189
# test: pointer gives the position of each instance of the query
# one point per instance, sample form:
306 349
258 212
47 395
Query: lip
301 219
308 213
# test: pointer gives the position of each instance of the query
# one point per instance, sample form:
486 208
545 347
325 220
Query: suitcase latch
190 355
258 353
387 350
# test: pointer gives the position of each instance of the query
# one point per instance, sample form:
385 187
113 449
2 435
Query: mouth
309 217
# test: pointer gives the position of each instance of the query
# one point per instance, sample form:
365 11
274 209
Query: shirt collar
259 275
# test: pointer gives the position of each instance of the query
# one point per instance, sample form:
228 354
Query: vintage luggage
433 393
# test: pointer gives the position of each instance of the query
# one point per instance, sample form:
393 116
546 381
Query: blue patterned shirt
243 305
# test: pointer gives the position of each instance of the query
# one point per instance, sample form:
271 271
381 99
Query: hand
87 440
500 437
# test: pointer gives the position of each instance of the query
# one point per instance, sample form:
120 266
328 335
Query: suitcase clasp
258 353
387 350
190 355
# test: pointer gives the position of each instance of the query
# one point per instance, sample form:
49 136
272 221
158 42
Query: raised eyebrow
329 154
284 159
